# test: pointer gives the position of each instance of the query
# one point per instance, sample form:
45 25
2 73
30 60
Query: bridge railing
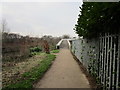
68 41
58 44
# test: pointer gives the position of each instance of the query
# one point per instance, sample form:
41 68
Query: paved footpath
64 72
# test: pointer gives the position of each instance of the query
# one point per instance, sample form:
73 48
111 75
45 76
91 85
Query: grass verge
28 78
55 51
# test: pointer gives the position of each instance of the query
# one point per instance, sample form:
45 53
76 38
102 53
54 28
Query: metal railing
101 57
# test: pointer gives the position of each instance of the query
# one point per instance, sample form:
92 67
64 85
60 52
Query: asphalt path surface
64 72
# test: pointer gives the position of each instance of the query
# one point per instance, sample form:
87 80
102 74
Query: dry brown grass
10 73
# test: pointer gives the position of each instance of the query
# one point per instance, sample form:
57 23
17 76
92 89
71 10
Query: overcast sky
41 18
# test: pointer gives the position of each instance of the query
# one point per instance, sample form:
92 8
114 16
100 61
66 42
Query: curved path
64 73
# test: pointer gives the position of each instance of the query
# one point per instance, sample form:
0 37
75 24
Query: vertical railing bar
110 61
118 63
110 41
103 60
99 58
112 67
107 60
114 63
104 63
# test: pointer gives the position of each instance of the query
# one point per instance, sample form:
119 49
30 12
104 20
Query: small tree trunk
46 47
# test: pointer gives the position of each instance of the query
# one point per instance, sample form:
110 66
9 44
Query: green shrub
36 49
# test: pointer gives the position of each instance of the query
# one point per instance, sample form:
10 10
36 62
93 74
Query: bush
36 49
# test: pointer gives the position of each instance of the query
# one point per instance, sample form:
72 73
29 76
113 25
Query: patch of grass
36 73
55 51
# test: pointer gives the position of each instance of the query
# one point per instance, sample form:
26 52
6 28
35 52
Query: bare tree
4 27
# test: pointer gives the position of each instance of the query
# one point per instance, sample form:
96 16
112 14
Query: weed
55 51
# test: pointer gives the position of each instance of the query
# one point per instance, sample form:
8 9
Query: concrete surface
64 73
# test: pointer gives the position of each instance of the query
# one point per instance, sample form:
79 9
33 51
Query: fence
101 57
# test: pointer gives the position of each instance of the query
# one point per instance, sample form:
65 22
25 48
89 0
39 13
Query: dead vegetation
11 71
17 47
20 55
